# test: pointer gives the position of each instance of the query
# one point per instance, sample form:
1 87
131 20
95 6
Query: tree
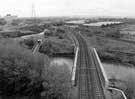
58 83
115 34
29 42
2 22
15 22
23 73
20 71
46 48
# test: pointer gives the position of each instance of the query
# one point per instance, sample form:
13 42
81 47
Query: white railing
74 67
123 94
105 76
36 48
102 69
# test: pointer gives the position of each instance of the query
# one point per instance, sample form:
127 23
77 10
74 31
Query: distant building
10 17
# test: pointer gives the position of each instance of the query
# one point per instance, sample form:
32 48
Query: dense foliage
57 84
20 71
30 76
35 28
16 22
2 21
56 48
28 43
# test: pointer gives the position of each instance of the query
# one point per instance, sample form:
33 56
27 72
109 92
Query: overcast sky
23 8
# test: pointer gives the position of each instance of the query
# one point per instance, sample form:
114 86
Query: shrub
58 85
115 34
23 74
15 22
2 22
130 87
20 71
29 42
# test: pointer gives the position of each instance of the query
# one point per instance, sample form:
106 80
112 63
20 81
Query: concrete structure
101 68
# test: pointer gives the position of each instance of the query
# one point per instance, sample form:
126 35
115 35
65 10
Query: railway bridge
88 73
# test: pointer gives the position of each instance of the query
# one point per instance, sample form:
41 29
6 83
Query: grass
31 73
110 48
18 66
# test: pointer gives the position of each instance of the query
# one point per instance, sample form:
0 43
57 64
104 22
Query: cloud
69 7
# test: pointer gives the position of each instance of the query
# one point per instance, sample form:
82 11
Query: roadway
89 80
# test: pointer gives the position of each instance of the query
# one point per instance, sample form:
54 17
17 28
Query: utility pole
33 13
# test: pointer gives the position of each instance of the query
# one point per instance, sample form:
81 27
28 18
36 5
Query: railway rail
89 82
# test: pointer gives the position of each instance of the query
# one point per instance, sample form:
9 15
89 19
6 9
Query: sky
43 8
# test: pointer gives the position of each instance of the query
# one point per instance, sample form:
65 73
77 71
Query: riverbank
119 76
109 45
118 71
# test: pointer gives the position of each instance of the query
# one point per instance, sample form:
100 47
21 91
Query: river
102 23
118 71
112 70
94 23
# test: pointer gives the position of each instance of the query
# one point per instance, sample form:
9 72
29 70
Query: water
63 62
93 24
76 22
102 23
32 35
117 71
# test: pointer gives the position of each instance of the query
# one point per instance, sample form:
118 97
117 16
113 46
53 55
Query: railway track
89 81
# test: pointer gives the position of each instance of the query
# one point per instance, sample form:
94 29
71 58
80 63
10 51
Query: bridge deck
89 82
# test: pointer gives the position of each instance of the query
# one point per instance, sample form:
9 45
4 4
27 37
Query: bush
20 71
23 74
33 28
46 48
61 31
29 42
9 34
130 87
115 34
2 22
56 48
58 85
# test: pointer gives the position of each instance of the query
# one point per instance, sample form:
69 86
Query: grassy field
109 45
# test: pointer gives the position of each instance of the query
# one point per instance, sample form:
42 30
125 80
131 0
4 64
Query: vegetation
58 32
129 87
16 22
25 75
58 83
15 33
111 48
52 48
34 28
2 21
126 85
28 43
20 71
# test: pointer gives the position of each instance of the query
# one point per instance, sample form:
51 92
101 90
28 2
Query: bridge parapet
37 46
100 68
76 51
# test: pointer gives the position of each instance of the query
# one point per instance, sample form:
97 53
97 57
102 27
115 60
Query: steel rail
97 81
89 82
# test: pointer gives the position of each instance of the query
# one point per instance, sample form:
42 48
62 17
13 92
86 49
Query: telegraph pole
33 13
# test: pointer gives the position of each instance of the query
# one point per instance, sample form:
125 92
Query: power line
33 11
